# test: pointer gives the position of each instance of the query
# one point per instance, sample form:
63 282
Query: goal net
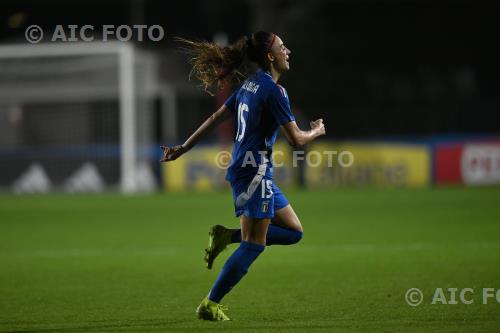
79 117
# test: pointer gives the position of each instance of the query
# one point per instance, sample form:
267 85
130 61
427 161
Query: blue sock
234 269
276 235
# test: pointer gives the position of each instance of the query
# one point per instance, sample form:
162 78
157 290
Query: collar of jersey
267 73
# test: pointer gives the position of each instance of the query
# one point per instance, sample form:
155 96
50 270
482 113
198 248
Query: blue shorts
257 197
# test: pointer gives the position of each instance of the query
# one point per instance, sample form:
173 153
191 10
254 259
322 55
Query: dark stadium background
370 68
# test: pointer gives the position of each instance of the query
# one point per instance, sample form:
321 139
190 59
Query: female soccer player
260 107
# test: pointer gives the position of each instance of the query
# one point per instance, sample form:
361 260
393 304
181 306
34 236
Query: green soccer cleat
219 239
209 310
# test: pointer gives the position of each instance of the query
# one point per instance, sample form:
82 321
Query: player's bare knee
298 225
256 239
299 228
299 231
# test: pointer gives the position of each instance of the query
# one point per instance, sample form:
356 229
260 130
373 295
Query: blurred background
411 88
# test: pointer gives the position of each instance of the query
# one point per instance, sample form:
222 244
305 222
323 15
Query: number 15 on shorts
266 188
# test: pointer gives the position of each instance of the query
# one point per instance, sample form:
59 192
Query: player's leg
287 218
284 215
252 198
285 227
253 232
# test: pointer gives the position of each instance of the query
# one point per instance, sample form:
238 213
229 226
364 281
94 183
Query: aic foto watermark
328 158
415 297
89 33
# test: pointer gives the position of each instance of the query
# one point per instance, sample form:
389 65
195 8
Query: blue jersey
260 107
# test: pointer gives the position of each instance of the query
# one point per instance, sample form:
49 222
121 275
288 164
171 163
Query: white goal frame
126 91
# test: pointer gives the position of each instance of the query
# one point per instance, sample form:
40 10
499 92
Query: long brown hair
216 66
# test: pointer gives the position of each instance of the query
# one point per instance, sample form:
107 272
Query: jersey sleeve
279 105
230 103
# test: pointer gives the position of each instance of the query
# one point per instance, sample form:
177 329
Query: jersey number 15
242 124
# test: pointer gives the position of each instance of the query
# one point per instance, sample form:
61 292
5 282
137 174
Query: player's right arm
172 153
298 138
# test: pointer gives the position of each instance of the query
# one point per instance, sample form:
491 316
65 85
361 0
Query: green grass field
109 263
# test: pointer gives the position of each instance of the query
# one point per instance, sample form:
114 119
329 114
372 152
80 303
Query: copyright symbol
223 159
33 34
414 297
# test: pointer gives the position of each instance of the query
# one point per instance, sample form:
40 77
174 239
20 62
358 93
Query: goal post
127 116
86 75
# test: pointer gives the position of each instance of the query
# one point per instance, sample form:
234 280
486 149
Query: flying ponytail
217 66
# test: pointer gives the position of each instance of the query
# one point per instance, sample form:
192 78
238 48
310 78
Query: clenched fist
318 126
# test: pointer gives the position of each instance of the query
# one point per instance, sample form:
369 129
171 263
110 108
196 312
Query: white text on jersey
250 86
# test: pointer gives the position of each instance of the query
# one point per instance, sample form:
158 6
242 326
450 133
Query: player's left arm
172 153
297 137
280 107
